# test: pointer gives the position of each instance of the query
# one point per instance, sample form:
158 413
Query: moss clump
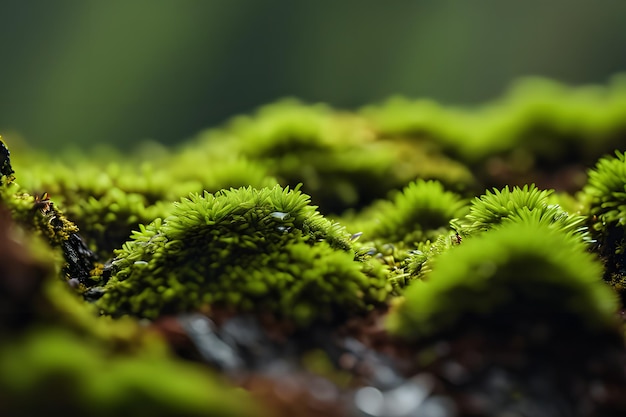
250 249
511 261
341 158
492 208
109 200
605 195
422 211
419 262
58 357
526 204
538 124
333 153
52 371
516 272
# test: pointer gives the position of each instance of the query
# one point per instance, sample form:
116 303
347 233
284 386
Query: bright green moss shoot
250 249
420 212
491 209
520 269
607 192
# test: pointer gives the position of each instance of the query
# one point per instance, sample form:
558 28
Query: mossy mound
518 271
606 193
539 122
250 249
55 372
338 155
110 200
420 212
58 357
493 208
605 199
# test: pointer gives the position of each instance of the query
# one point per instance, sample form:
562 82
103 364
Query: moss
58 357
110 200
339 157
39 215
605 198
420 212
546 122
52 371
398 174
419 262
516 272
526 204
492 208
605 189
266 249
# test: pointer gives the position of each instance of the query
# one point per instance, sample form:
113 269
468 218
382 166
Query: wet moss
58 357
250 249
517 271
399 181
605 200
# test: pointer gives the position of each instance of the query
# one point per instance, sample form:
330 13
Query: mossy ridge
55 348
110 200
421 211
396 232
338 155
493 208
606 191
513 272
537 117
605 196
334 153
244 248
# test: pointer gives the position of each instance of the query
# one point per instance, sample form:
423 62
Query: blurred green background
85 72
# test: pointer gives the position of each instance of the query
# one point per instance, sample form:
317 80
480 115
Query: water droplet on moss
279 215
356 236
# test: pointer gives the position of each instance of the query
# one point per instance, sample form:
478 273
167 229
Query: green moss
52 371
606 193
39 215
514 255
58 357
419 262
546 122
518 271
421 212
605 197
339 157
266 249
526 204
492 208
110 200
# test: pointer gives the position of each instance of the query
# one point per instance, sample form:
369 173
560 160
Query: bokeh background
86 72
